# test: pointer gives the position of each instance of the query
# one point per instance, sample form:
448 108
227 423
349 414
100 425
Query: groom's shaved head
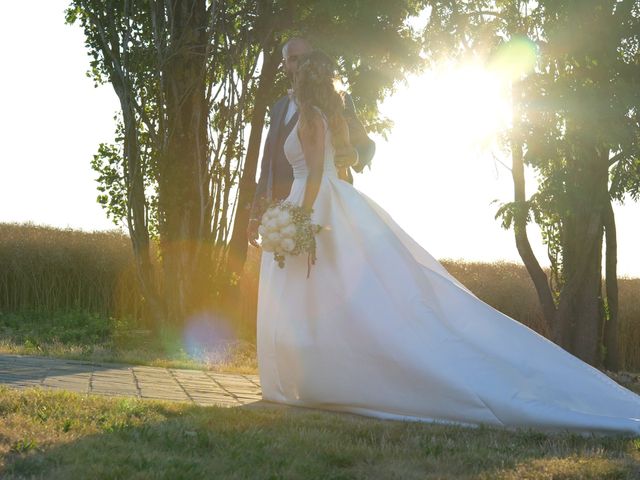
291 52
297 43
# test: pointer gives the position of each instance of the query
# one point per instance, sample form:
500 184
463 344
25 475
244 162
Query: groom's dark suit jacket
276 174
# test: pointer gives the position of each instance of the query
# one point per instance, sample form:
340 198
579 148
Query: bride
381 329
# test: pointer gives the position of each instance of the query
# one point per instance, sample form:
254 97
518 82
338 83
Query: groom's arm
259 202
259 198
365 147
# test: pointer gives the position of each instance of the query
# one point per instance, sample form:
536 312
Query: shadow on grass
81 437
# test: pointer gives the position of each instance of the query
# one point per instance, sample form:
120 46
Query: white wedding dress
381 329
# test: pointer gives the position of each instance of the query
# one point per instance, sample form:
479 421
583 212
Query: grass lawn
64 435
86 336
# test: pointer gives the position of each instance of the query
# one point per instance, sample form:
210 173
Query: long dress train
381 329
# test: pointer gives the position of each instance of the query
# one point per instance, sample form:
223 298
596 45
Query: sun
480 97
454 107
469 105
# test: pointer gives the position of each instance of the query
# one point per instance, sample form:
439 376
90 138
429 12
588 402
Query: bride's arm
312 141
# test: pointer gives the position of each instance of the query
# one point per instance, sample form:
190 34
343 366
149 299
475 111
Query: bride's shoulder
314 125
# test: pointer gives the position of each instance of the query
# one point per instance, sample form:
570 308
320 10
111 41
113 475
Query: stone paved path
195 386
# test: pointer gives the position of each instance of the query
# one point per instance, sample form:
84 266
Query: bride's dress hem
377 414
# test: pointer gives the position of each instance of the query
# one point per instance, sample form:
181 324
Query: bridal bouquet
286 229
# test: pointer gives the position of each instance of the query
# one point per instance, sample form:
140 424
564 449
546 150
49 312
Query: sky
436 174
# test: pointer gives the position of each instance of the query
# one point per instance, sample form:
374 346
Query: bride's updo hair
313 87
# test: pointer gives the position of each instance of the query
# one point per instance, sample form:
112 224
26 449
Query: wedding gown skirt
381 329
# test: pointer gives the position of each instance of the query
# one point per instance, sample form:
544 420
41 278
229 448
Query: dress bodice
295 155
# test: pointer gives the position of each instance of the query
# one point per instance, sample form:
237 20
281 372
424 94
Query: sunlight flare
514 58
458 107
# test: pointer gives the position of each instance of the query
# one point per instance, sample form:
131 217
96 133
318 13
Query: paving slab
111 379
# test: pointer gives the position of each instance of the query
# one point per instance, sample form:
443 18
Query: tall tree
155 55
576 123
110 29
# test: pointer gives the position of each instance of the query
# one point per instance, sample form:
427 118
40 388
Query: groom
276 174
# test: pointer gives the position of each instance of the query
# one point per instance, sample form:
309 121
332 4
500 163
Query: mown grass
64 435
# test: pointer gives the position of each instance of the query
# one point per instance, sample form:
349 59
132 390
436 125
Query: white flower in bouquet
275 211
271 225
268 214
267 246
273 237
287 244
288 231
283 218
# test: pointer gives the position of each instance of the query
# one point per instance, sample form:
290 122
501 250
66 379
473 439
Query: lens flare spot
209 338
515 58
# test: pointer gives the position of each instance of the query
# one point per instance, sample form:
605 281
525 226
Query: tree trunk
523 245
579 312
183 193
612 358
137 220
